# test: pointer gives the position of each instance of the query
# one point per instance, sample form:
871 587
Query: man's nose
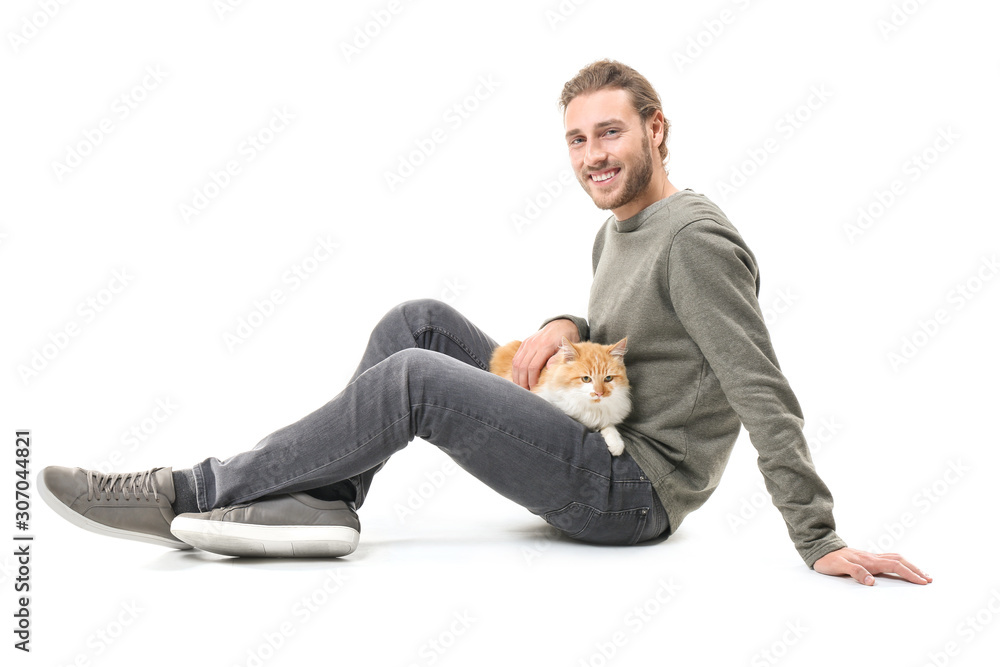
595 154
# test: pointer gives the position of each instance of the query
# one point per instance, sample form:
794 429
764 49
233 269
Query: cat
587 382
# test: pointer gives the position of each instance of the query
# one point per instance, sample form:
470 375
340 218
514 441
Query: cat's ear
619 348
567 350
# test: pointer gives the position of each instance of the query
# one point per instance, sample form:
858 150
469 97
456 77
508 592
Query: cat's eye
608 378
585 378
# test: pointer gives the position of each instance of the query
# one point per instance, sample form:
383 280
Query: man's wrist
568 327
582 328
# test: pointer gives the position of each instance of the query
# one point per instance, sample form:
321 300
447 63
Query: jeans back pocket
583 522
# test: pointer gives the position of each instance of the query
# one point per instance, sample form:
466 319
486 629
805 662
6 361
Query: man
670 272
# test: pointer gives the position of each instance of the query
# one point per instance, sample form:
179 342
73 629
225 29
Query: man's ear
656 126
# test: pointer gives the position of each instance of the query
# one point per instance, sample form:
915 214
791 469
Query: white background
838 307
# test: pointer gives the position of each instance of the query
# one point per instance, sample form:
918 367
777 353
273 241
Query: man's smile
605 176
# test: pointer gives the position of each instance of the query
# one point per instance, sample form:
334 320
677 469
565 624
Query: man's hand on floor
862 565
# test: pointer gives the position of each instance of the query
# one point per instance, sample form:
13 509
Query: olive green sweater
680 282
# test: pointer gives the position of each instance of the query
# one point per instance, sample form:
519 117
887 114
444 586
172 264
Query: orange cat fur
587 382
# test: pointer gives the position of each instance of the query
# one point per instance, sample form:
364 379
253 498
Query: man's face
608 147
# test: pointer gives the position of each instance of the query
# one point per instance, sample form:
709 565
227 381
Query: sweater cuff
581 324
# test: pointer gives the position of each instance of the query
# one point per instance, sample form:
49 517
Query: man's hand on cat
538 349
862 565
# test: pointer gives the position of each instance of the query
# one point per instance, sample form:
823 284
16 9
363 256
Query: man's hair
612 74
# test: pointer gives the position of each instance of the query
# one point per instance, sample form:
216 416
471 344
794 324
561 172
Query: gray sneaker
283 525
134 505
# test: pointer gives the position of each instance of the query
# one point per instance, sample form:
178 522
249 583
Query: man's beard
637 177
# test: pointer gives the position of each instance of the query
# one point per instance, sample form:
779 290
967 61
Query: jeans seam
454 338
328 463
199 493
519 438
641 528
640 512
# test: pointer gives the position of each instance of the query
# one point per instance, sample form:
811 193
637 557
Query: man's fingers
908 574
862 566
861 575
910 565
900 567
527 371
521 376
842 565
534 369
532 378
519 370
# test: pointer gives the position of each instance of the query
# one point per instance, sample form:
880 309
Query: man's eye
575 141
611 132
585 378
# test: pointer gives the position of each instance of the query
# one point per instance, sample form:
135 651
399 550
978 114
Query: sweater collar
633 223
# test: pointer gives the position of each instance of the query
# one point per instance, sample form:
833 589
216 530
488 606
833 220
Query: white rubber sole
88 524
257 541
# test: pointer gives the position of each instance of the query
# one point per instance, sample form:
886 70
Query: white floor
449 573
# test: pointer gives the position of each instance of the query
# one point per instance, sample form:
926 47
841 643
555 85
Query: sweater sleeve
581 324
713 283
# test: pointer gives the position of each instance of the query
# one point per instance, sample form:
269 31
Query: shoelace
129 484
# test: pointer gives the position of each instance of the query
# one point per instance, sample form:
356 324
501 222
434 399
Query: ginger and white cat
587 382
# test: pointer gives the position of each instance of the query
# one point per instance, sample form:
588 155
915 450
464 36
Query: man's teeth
603 177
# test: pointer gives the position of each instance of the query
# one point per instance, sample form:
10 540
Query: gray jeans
425 375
